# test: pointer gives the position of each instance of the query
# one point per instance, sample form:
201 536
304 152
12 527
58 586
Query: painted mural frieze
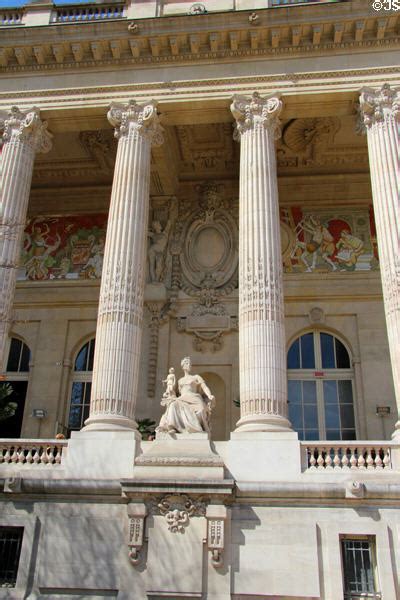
193 246
316 240
70 248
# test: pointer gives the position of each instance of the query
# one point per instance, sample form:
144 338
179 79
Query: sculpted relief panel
209 244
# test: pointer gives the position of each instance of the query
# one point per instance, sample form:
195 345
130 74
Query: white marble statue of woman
190 411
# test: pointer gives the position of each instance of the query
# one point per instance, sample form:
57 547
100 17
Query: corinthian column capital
134 119
256 112
26 126
377 106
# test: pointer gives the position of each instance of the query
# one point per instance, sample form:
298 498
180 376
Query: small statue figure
190 411
170 382
158 246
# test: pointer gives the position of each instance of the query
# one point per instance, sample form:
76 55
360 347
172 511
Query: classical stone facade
219 181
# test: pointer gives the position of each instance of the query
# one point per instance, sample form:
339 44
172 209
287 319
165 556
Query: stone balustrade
45 14
32 452
343 456
98 12
11 17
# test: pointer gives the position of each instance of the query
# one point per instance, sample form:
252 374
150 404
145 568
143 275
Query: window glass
327 351
303 410
81 359
345 392
294 391
330 392
293 359
10 551
342 356
307 351
80 404
310 392
18 357
358 568
14 355
320 401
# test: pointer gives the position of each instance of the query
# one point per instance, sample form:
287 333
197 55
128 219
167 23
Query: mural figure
190 411
94 265
40 245
321 244
349 249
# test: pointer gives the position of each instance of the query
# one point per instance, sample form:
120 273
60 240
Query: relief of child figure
169 393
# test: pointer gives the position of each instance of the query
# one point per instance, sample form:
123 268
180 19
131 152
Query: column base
264 422
109 423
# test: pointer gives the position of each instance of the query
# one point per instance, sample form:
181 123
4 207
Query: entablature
340 28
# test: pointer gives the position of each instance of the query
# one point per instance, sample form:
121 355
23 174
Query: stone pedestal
120 316
24 134
179 457
380 113
101 454
262 344
264 456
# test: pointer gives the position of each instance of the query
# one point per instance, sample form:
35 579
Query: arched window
81 387
16 376
320 388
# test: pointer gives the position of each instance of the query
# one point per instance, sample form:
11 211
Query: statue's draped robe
189 412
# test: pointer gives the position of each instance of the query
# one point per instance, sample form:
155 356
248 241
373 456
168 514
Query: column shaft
24 135
262 354
380 112
119 324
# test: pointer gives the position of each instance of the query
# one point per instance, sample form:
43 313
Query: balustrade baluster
337 459
43 455
361 459
345 460
58 455
378 460
21 455
370 460
353 459
386 460
320 459
313 460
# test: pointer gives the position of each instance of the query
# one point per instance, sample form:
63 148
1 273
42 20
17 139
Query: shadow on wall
220 421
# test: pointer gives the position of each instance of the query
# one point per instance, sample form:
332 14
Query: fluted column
380 112
24 134
119 322
262 353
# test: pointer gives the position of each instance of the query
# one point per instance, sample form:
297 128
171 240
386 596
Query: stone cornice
224 36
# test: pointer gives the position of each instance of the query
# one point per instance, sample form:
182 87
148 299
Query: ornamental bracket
137 513
217 517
